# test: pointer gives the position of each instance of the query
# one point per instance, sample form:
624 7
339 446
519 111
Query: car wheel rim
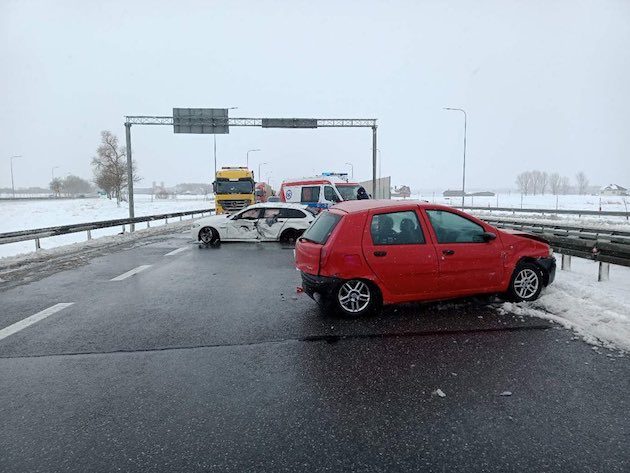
526 283
205 235
354 296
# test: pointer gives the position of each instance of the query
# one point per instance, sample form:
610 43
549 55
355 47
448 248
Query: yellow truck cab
233 189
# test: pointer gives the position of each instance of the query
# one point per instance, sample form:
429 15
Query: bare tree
582 183
523 181
110 166
73 185
554 183
544 182
565 185
536 181
56 185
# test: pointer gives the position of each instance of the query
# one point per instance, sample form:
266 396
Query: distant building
402 191
450 193
614 189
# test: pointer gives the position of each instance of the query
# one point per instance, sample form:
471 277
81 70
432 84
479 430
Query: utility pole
380 161
464 166
374 147
12 183
129 174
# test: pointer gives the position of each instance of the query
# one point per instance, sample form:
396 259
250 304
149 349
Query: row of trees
110 167
537 182
70 185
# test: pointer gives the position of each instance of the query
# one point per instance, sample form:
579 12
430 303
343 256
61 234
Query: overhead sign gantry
217 121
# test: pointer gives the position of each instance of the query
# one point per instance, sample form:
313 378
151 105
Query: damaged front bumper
548 265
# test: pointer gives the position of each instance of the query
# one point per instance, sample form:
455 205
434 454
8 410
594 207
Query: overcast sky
545 84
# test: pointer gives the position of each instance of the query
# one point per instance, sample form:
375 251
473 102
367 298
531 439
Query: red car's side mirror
488 236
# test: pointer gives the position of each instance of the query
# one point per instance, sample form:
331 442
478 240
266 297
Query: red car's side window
453 228
396 228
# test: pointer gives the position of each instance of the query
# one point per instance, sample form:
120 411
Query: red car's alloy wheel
354 296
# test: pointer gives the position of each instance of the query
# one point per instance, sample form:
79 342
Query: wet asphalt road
208 360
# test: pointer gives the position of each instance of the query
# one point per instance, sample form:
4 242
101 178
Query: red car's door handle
380 253
448 252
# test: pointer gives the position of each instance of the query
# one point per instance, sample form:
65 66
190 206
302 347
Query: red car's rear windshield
322 227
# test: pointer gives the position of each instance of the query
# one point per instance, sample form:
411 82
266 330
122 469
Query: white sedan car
270 221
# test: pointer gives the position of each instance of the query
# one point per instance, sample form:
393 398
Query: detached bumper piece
548 264
316 286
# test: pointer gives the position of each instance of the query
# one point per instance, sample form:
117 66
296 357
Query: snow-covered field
28 214
513 200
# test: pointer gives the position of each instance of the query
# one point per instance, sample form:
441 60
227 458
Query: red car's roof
355 206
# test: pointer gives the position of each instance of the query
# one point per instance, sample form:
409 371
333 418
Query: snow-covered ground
513 200
599 312
28 214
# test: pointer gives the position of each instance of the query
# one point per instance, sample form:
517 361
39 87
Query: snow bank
597 311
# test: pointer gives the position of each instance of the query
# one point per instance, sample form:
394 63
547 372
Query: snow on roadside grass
22 215
20 261
597 311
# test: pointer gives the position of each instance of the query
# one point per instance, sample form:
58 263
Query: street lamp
52 172
351 170
12 184
250 151
464 166
260 175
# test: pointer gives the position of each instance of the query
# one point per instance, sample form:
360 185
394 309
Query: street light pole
351 170
12 183
464 166
250 151
52 173
260 175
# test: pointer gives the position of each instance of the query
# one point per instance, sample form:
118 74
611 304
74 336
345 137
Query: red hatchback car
364 253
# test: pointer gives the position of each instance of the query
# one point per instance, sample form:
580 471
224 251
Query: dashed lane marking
130 273
33 319
178 250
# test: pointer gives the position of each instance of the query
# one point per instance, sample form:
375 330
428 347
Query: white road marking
28 321
178 250
130 273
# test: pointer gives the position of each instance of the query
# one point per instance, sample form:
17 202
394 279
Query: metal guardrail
37 234
602 213
597 244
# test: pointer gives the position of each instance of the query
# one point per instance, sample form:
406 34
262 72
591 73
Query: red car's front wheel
527 282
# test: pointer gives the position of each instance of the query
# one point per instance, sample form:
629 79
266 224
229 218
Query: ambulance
321 192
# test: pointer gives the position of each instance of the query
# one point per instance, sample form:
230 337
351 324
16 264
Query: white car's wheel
209 236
